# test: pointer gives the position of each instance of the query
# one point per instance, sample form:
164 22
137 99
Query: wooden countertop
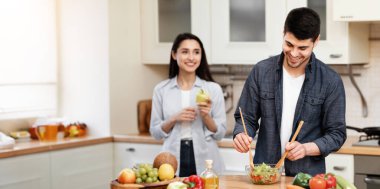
347 147
242 181
34 146
24 148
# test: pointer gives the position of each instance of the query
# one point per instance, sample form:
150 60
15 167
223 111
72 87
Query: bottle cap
209 163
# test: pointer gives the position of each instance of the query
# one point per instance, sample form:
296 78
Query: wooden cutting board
156 185
144 108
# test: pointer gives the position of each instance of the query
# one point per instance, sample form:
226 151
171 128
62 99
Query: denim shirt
321 105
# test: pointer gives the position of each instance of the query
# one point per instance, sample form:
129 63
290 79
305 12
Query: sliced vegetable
291 186
302 179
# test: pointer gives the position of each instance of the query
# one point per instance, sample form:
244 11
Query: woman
189 129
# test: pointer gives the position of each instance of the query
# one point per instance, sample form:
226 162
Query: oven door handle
372 180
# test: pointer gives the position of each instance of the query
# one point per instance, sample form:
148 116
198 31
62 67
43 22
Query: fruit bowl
264 174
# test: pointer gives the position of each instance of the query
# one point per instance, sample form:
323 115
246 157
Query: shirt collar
174 83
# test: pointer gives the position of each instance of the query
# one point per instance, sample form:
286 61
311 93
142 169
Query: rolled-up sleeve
334 119
218 113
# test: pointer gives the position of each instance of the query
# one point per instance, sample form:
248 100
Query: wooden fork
281 161
250 150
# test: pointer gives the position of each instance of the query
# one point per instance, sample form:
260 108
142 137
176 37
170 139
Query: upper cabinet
354 10
163 20
245 31
340 42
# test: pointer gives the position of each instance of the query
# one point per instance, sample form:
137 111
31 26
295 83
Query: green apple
202 96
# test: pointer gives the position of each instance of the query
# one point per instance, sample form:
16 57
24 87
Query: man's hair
303 23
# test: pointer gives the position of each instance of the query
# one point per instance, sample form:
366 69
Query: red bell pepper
194 182
330 181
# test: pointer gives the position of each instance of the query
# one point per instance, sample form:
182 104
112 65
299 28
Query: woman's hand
204 108
186 114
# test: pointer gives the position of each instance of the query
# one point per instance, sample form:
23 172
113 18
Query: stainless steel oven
367 171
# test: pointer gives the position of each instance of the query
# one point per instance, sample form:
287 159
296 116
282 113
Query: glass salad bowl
263 174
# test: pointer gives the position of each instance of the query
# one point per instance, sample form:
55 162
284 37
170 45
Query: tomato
317 183
273 178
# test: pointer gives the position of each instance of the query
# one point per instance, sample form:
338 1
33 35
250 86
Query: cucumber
338 186
343 183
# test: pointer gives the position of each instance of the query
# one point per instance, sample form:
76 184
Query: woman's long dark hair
202 71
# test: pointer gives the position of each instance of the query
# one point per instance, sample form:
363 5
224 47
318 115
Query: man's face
297 52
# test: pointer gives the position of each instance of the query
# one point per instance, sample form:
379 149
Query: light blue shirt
167 102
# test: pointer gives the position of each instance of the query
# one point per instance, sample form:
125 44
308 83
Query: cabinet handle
372 181
335 55
130 150
339 168
346 17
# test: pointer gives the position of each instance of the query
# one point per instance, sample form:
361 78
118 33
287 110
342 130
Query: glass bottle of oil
209 177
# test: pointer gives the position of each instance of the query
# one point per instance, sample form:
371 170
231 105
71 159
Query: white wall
84 63
368 82
130 80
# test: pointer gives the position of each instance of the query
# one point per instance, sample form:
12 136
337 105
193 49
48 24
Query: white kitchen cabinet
234 161
341 42
245 32
126 155
341 164
84 167
354 10
27 171
162 20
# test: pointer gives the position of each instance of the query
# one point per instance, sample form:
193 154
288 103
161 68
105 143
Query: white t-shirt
185 125
291 91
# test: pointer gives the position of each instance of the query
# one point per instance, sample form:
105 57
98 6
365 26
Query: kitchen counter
242 181
232 181
35 146
347 147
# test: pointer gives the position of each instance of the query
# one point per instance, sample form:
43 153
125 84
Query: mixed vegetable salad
264 174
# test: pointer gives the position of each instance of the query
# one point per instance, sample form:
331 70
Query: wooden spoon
281 161
250 150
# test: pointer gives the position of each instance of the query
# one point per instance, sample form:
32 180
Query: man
285 89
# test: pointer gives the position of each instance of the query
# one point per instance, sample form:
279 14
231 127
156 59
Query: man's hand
298 150
242 142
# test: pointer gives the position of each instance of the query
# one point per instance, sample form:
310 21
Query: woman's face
188 56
